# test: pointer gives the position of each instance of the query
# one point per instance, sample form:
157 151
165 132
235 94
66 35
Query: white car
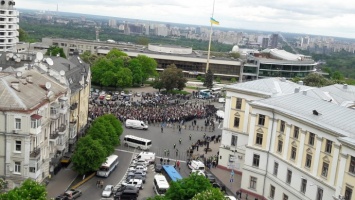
199 172
142 168
107 191
141 162
127 103
138 94
134 182
230 198
122 93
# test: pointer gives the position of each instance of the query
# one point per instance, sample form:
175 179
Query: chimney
300 82
297 90
304 92
29 79
16 86
345 86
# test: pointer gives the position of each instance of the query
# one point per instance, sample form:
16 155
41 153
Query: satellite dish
36 60
18 74
39 56
48 85
14 57
49 61
11 55
18 60
62 72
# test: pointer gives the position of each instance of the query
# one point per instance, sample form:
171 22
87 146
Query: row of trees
317 80
29 190
195 187
100 141
116 69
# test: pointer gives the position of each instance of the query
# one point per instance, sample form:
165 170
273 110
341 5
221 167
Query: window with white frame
18 123
259 139
319 194
303 185
256 160
282 126
261 120
284 197
328 146
238 104
293 153
352 165
17 167
32 170
325 169
279 146
18 145
272 191
252 184
276 168
289 176
308 161
311 138
53 111
348 193
234 140
35 123
236 122
296 132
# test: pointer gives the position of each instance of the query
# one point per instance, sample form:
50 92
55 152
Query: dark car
210 177
126 192
61 197
220 186
158 167
73 194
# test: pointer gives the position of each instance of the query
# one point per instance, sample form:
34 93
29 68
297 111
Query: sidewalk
224 176
60 182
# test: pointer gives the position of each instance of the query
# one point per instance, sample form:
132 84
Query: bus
161 185
216 90
170 173
108 166
137 142
204 94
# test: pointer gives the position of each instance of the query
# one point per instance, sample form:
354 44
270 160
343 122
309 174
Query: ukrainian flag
213 21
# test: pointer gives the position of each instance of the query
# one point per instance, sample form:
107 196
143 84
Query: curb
83 181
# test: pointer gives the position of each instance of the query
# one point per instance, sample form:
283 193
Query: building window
303 186
293 153
308 161
279 146
296 132
236 122
311 139
231 158
18 167
53 111
282 126
18 146
272 191
32 170
234 140
328 146
261 120
276 168
352 165
238 104
319 194
289 176
284 197
259 138
348 193
325 169
256 159
35 123
18 123
253 182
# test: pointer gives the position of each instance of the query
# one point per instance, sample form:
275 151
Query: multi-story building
300 147
275 134
274 39
33 123
8 25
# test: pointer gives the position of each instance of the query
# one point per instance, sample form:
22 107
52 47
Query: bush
198 77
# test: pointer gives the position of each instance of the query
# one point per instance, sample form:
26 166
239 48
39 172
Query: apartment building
300 147
33 124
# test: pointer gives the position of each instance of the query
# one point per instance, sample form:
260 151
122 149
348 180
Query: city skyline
317 17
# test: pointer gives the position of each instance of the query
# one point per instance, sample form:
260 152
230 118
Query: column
246 117
300 148
272 132
252 129
286 142
317 154
26 160
340 175
227 112
334 164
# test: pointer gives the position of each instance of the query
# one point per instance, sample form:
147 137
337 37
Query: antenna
18 74
48 85
49 61
39 56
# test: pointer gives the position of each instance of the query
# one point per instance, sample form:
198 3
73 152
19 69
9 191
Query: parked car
61 197
158 168
135 176
134 182
108 97
210 177
141 167
140 162
66 159
140 172
107 191
73 194
126 192
122 93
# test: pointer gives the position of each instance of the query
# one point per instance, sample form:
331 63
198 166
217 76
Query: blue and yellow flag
213 21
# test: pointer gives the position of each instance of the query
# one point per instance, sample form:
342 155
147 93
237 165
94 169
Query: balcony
61 146
63 109
54 114
35 175
53 137
62 129
35 152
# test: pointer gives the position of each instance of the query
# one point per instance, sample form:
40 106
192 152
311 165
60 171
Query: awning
35 116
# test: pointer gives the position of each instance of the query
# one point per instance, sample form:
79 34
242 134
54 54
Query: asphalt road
160 141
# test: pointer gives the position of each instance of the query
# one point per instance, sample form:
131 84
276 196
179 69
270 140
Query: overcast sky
320 17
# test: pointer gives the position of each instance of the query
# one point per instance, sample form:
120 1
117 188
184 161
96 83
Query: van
147 156
196 165
136 124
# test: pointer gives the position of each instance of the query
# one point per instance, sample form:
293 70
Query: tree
115 123
337 75
234 55
149 66
137 72
316 80
89 58
23 36
172 77
210 194
158 84
233 80
29 190
88 156
187 188
115 53
54 51
208 79
124 78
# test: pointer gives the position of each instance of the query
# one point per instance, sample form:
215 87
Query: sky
317 17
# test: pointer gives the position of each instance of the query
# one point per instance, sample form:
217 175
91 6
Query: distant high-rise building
198 30
8 25
265 43
274 40
112 23
161 30
126 28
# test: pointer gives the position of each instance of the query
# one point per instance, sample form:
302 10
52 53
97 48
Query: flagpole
209 43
